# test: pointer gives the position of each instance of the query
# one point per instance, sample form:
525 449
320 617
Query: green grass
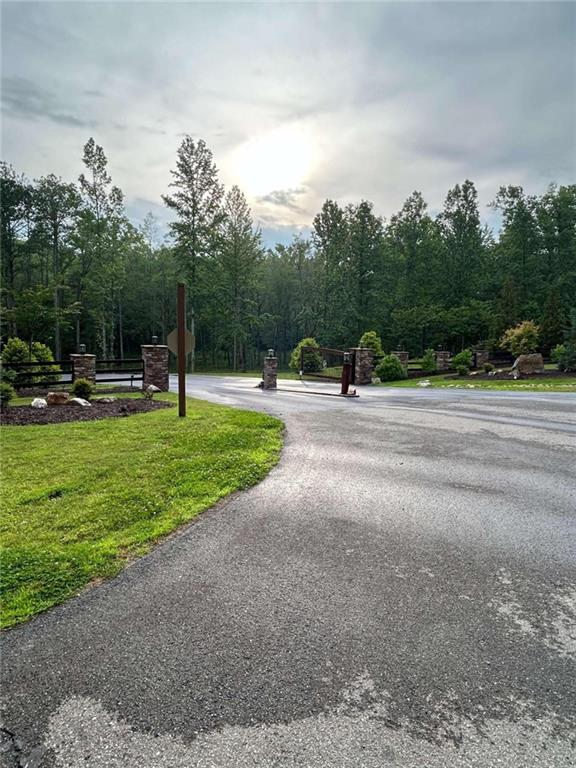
469 382
81 499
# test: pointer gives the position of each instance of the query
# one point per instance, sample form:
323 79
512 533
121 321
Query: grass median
81 499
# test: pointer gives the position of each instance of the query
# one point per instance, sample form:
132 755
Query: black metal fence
323 363
119 370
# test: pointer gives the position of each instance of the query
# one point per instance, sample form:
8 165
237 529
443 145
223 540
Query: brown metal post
181 325
346 370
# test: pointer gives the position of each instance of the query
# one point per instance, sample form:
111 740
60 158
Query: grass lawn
468 382
81 499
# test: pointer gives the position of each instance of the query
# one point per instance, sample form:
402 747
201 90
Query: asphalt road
400 591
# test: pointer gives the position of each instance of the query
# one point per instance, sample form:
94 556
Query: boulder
150 390
57 398
533 363
80 402
106 400
39 402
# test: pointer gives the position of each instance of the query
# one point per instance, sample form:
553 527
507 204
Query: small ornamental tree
83 388
429 362
6 393
564 355
462 360
390 369
371 340
312 360
522 339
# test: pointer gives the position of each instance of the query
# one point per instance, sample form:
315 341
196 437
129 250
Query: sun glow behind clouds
280 159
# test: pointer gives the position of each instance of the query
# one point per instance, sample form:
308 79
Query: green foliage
487 367
371 340
391 369
93 500
7 393
564 355
429 361
312 360
522 339
43 354
15 351
83 388
463 360
462 370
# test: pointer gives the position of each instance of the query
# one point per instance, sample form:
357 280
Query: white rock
80 402
424 383
150 390
106 399
39 402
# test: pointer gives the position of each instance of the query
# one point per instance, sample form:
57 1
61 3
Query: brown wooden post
181 325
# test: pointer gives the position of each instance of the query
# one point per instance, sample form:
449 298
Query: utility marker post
181 327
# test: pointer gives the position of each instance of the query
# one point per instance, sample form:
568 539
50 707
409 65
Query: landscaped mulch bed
23 415
506 375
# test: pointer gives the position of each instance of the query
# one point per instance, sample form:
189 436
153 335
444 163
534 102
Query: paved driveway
400 591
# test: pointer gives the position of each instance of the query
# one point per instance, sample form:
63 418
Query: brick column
363 365
442 360
83 367
270 372
155 359
403 357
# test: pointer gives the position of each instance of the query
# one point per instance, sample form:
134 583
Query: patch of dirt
23 415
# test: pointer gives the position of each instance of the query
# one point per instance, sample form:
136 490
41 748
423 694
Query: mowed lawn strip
545 384
80 499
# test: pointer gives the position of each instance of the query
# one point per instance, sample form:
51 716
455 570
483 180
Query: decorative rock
80 402
533 363
106 400
39 402
57 398
150 390
424 383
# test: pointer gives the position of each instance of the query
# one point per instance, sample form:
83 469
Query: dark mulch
507 375
22 415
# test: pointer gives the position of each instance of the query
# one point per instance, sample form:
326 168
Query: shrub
462 370
564 355
15 351
429 361
522 339
6 393
488 367
372 341
463 360
43 354
390 369
312 360
7 374
82 388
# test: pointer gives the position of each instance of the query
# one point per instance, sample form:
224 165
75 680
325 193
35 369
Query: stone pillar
83 367
363 365
482 356
155 359
270 372
403 357
442 360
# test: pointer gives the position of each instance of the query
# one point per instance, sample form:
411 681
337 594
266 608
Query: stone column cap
153 346
79 354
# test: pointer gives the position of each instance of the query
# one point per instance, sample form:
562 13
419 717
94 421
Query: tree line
76 270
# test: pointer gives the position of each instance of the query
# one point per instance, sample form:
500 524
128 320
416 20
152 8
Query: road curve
400 591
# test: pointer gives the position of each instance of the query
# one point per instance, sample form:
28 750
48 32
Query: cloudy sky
298 101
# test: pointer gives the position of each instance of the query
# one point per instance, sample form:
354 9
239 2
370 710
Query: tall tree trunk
120 330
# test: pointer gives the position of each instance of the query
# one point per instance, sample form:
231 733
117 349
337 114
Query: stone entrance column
442 360
270 372
364 365
155 359
83 366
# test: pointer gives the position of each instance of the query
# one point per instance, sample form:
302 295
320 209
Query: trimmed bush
463 360
522 339
391 369
312 360
462 370
82 388
43 354
371 340
429 361
564 355
7 393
